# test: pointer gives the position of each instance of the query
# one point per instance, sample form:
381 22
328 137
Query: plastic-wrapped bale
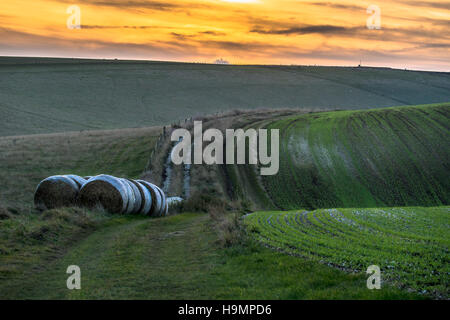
137 199
146 198
163 210
55 192
87 178
173 200
106 191
77 179
156 197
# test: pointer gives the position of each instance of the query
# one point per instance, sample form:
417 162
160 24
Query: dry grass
26 160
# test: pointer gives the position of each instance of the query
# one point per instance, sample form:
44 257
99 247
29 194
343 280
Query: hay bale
173 200
55 192
130 194
137 196
156 197
77 179
87 178
106 191
162 212
146 198
167 209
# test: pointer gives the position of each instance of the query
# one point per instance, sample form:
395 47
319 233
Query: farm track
136 258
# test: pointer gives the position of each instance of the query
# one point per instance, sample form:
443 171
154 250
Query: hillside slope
386 157
40 95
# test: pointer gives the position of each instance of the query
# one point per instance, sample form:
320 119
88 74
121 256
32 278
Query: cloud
428 4
337 5
147 4
319 29
144 4
121 27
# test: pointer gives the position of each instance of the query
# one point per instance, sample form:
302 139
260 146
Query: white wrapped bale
163 210
156 197
77 179
137 199
106 191
130 195
146 198
55 192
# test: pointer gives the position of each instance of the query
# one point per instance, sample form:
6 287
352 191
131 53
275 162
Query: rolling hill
39 95
384 157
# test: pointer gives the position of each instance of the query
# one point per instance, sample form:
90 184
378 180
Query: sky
409 34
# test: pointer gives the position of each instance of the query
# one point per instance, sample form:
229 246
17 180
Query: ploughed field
371 158
39 95
409 244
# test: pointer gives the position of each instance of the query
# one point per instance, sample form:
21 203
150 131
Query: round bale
136 195
146 198
164 202
131 197
156 197
54 192
77 179
106 191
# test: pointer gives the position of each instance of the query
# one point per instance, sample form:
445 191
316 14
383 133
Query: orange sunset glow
413 34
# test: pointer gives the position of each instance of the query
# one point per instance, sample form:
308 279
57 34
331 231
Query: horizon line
229 64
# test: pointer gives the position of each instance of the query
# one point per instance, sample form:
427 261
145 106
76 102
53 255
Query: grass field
372 160
169 258
409 244
26 160
385 157
127 257
40 95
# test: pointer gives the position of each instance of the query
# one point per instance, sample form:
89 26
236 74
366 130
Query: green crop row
409 244
371 158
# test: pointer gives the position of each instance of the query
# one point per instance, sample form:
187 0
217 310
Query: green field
40 95
385 169
409 244
125 257
26 160
176 257
385 157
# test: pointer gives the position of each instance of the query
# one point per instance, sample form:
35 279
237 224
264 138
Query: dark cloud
213 33
144 4
120 27
147 4
319 29
428 4
337 5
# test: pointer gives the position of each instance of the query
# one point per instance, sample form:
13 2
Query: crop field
410 244
371 158
39 95
129 256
